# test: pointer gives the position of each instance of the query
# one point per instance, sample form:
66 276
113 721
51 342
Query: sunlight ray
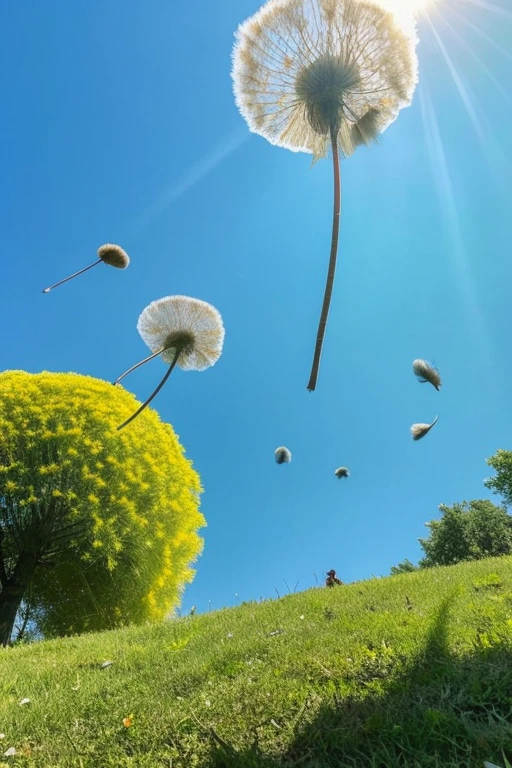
497 9
192 176
447 198
503 91
482 34
463 91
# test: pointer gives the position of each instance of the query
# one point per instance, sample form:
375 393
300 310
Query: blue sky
119 125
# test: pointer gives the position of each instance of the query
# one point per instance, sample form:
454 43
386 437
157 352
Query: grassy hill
353 676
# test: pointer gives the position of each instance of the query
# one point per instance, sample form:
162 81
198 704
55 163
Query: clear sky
119 125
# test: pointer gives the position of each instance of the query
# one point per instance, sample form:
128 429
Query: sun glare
408 7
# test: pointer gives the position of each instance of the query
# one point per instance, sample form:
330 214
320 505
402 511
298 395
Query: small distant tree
501 483
404 567
467 531
98 528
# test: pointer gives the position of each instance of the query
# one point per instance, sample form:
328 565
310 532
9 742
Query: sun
406 8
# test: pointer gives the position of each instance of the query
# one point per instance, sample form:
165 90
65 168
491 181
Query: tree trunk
12 594
10 601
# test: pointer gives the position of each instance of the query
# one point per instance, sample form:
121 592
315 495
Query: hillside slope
412 670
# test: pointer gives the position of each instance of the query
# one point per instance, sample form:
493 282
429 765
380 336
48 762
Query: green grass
353 676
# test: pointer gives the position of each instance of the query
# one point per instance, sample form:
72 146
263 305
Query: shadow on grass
441 712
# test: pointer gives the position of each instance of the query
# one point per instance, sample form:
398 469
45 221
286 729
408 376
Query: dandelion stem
137 365
155 393
332 260
81 271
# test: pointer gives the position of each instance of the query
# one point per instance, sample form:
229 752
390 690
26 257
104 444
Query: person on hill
332 580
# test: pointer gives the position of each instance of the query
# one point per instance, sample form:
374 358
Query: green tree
404 567
467 531
98 526
501 483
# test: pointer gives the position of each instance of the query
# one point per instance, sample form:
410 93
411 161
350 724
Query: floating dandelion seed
110 254
341 472
309 74
283 455
187 332
420 430
426 372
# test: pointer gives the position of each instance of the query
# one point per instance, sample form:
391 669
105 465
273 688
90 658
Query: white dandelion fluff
341 472
187 332
425 372
420 430
314 74
110 254
283 455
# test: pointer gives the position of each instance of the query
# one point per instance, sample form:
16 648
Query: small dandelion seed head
420 430
283 455
341 472
180 322
426 372
113 255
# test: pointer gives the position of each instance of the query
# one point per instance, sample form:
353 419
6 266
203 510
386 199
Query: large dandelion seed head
113 255
302 66
283 455
182 322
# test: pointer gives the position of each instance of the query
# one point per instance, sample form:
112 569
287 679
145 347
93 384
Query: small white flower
229 635
24 701
2 736
208 703
301 617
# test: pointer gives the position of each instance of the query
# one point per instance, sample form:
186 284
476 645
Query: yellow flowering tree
99 526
